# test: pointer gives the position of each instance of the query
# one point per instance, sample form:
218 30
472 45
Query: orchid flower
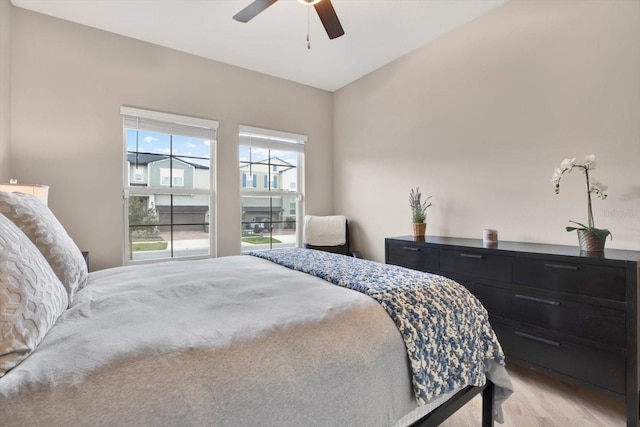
598 189
590 162
567 164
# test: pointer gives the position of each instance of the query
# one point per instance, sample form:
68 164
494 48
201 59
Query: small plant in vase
591 239
418 211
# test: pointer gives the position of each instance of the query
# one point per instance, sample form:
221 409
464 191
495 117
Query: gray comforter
235 341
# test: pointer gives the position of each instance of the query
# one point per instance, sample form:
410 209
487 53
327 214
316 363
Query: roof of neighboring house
272 161
146 158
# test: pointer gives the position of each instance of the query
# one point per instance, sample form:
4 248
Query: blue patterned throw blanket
445 328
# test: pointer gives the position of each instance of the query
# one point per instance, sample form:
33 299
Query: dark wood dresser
570 314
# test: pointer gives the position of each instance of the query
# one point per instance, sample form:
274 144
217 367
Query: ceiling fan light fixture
309 2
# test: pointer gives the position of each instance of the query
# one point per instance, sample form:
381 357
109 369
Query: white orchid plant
593 187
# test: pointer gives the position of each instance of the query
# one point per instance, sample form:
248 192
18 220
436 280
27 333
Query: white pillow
41 226
31 296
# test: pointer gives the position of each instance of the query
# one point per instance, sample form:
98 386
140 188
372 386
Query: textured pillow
31 296
42 227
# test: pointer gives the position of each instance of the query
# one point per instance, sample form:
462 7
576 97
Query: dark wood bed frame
444 411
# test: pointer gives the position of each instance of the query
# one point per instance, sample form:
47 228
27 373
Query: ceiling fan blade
250 12
329 19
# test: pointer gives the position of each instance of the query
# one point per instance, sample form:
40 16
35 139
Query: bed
277 338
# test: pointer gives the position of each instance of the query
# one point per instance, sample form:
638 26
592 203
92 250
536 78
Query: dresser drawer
413 255
471 286
476 264
594 366
592 280
600 324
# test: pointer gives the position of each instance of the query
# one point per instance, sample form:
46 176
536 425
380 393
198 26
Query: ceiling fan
325 10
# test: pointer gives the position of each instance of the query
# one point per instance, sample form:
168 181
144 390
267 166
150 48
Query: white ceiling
376 31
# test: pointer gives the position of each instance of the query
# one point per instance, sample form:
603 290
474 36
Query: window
167 176
169 198
271 213
249 181
137 175
271 182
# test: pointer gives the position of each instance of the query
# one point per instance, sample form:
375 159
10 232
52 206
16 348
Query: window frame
278 141
183 126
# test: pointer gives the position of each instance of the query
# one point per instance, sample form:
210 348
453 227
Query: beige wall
69 82
478 118
5 89
481 116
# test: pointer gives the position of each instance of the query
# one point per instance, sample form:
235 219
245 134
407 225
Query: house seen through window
168 183
270 168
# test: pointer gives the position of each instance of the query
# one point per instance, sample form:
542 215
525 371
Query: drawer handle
539 339
540 300
474 256
412 249
563 267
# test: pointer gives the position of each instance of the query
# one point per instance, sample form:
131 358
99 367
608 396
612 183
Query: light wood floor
542 401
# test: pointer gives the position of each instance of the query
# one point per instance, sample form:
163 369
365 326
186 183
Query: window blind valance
155 121
272 140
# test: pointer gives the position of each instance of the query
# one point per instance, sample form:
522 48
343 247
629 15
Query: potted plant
418 211
591 239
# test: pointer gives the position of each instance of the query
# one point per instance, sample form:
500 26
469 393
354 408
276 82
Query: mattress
219 342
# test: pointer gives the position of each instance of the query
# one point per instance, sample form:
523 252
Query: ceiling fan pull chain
308 30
